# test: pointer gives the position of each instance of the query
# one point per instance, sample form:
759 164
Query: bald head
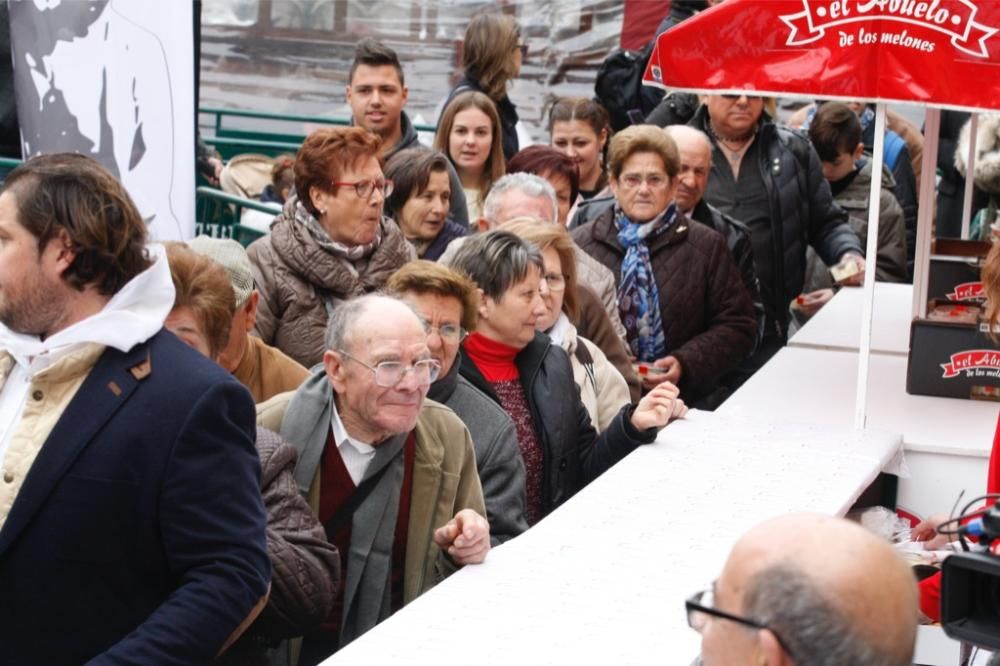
695 151
832 591
360 319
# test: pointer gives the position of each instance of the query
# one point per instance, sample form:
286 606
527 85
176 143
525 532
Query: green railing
218 214
268 133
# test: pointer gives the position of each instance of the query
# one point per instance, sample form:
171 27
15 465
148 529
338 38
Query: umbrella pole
925 214
871 255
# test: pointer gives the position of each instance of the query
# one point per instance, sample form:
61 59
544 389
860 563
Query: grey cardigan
498 455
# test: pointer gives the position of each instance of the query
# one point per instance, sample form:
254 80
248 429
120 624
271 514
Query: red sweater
930 588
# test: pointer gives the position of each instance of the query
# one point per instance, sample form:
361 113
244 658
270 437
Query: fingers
466 537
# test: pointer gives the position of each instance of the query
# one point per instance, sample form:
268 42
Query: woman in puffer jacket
602 388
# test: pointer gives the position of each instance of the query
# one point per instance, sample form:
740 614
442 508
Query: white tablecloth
603 579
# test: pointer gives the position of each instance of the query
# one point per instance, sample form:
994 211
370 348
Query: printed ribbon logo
955 18
967 291
967 361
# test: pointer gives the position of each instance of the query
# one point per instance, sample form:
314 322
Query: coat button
563 465
8 477
37 395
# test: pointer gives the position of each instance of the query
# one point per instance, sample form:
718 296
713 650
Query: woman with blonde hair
602 388
492 56
469 134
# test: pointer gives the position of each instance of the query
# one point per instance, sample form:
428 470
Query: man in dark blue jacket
132 528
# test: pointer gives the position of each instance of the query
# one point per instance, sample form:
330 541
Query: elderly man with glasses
392 477
808 589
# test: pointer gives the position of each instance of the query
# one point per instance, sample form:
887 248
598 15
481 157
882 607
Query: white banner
113 79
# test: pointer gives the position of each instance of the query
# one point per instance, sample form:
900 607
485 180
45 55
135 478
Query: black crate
953 360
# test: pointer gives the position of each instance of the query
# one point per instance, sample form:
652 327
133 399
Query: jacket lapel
108 386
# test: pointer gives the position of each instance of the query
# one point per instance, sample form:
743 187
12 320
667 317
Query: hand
466 538
658 407
926 531
673 369
858 278
810 303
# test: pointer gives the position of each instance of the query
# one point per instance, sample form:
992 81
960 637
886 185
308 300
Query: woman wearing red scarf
532 379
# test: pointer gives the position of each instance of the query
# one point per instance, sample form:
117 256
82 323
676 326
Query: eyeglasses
364 188
634 180
555 281
523 48
700 608
389 373
733 98
447 332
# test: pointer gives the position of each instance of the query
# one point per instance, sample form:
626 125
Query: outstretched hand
659 407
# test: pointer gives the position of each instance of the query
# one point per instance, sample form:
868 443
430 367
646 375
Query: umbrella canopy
940 52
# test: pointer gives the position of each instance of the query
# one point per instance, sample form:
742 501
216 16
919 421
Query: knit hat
233 257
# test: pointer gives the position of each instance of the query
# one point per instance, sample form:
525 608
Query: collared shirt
357 455
13 395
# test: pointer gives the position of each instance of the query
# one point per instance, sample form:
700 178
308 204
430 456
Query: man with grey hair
391 476
809 590
527 195
695 151
266 371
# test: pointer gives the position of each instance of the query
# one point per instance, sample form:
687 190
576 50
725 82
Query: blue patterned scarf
638 295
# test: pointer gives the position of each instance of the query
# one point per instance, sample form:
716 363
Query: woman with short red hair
330 243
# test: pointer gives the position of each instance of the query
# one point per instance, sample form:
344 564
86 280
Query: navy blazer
138 535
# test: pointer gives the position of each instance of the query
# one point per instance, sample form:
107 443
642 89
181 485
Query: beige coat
604 392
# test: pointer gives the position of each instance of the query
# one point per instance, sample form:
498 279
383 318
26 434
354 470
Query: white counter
838 324
947 441
604 578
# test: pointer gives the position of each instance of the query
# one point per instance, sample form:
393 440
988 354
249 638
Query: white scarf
132 316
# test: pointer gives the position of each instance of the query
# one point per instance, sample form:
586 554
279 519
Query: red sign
967 291
944 52
972 360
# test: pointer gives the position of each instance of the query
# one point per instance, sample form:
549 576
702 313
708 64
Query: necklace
733 154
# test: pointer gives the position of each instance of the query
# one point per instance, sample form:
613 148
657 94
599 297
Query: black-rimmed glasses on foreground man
701 606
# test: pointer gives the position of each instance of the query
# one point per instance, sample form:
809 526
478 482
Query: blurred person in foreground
132 528
808 590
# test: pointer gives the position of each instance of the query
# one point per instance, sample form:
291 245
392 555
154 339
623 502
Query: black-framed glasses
365 188
447 332
701 606
389 373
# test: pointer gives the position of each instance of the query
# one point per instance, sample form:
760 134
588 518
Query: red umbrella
941 52
935 52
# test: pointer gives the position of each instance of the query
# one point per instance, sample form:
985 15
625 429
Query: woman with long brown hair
469 134
492 56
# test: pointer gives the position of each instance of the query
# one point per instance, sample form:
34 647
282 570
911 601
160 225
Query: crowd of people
443 345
